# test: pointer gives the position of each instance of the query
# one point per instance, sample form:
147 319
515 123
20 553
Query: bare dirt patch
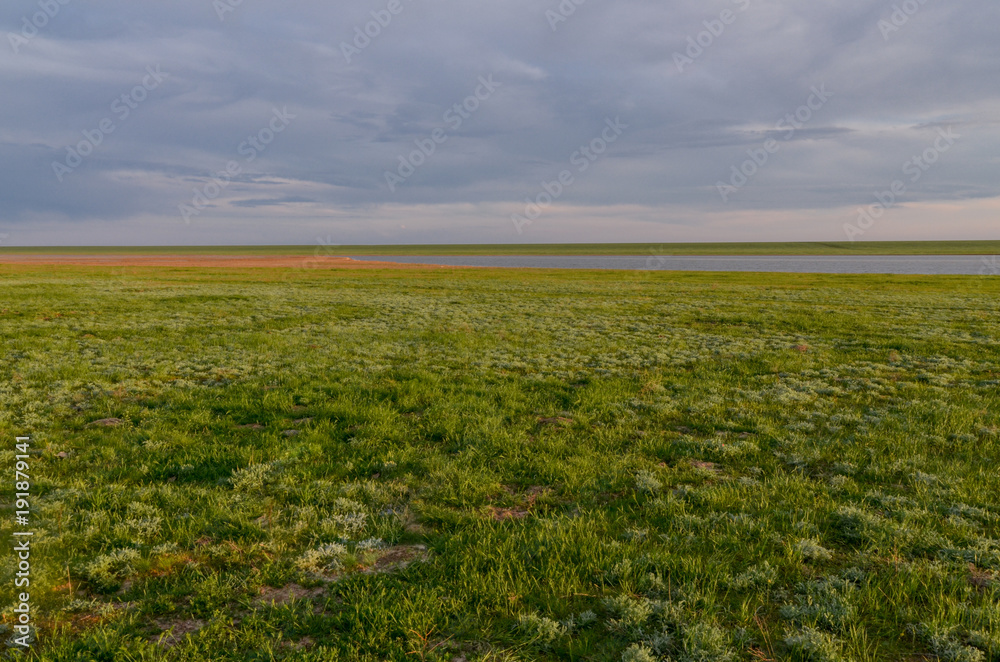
174 632
710 467
981 579
501 514
286 594
526 501
397 558
390 559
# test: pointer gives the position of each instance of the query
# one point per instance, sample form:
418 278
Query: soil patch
175 631
286 594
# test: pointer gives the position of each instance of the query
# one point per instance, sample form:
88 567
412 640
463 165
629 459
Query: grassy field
802 248
499 465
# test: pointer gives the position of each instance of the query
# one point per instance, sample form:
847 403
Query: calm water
968 265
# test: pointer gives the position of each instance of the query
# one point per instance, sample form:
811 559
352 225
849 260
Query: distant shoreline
913 265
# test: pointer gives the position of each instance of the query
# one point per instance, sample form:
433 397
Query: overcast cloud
305 118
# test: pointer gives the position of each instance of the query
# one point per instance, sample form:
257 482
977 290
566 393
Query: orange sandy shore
211 261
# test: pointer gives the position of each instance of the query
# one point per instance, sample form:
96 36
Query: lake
963 265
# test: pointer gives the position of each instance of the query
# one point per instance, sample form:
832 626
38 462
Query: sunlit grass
495 465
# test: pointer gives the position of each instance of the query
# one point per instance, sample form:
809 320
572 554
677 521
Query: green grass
762 248
505 465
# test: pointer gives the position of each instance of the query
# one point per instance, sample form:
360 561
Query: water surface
962 265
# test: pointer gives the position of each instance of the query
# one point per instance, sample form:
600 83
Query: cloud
689 126
270 202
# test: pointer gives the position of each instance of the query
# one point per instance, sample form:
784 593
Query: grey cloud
687 129
271 202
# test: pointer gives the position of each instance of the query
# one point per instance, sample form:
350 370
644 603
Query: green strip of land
652 248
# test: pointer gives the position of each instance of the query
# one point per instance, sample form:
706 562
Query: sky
514 121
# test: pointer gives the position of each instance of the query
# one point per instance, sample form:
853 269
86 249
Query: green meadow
463 465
